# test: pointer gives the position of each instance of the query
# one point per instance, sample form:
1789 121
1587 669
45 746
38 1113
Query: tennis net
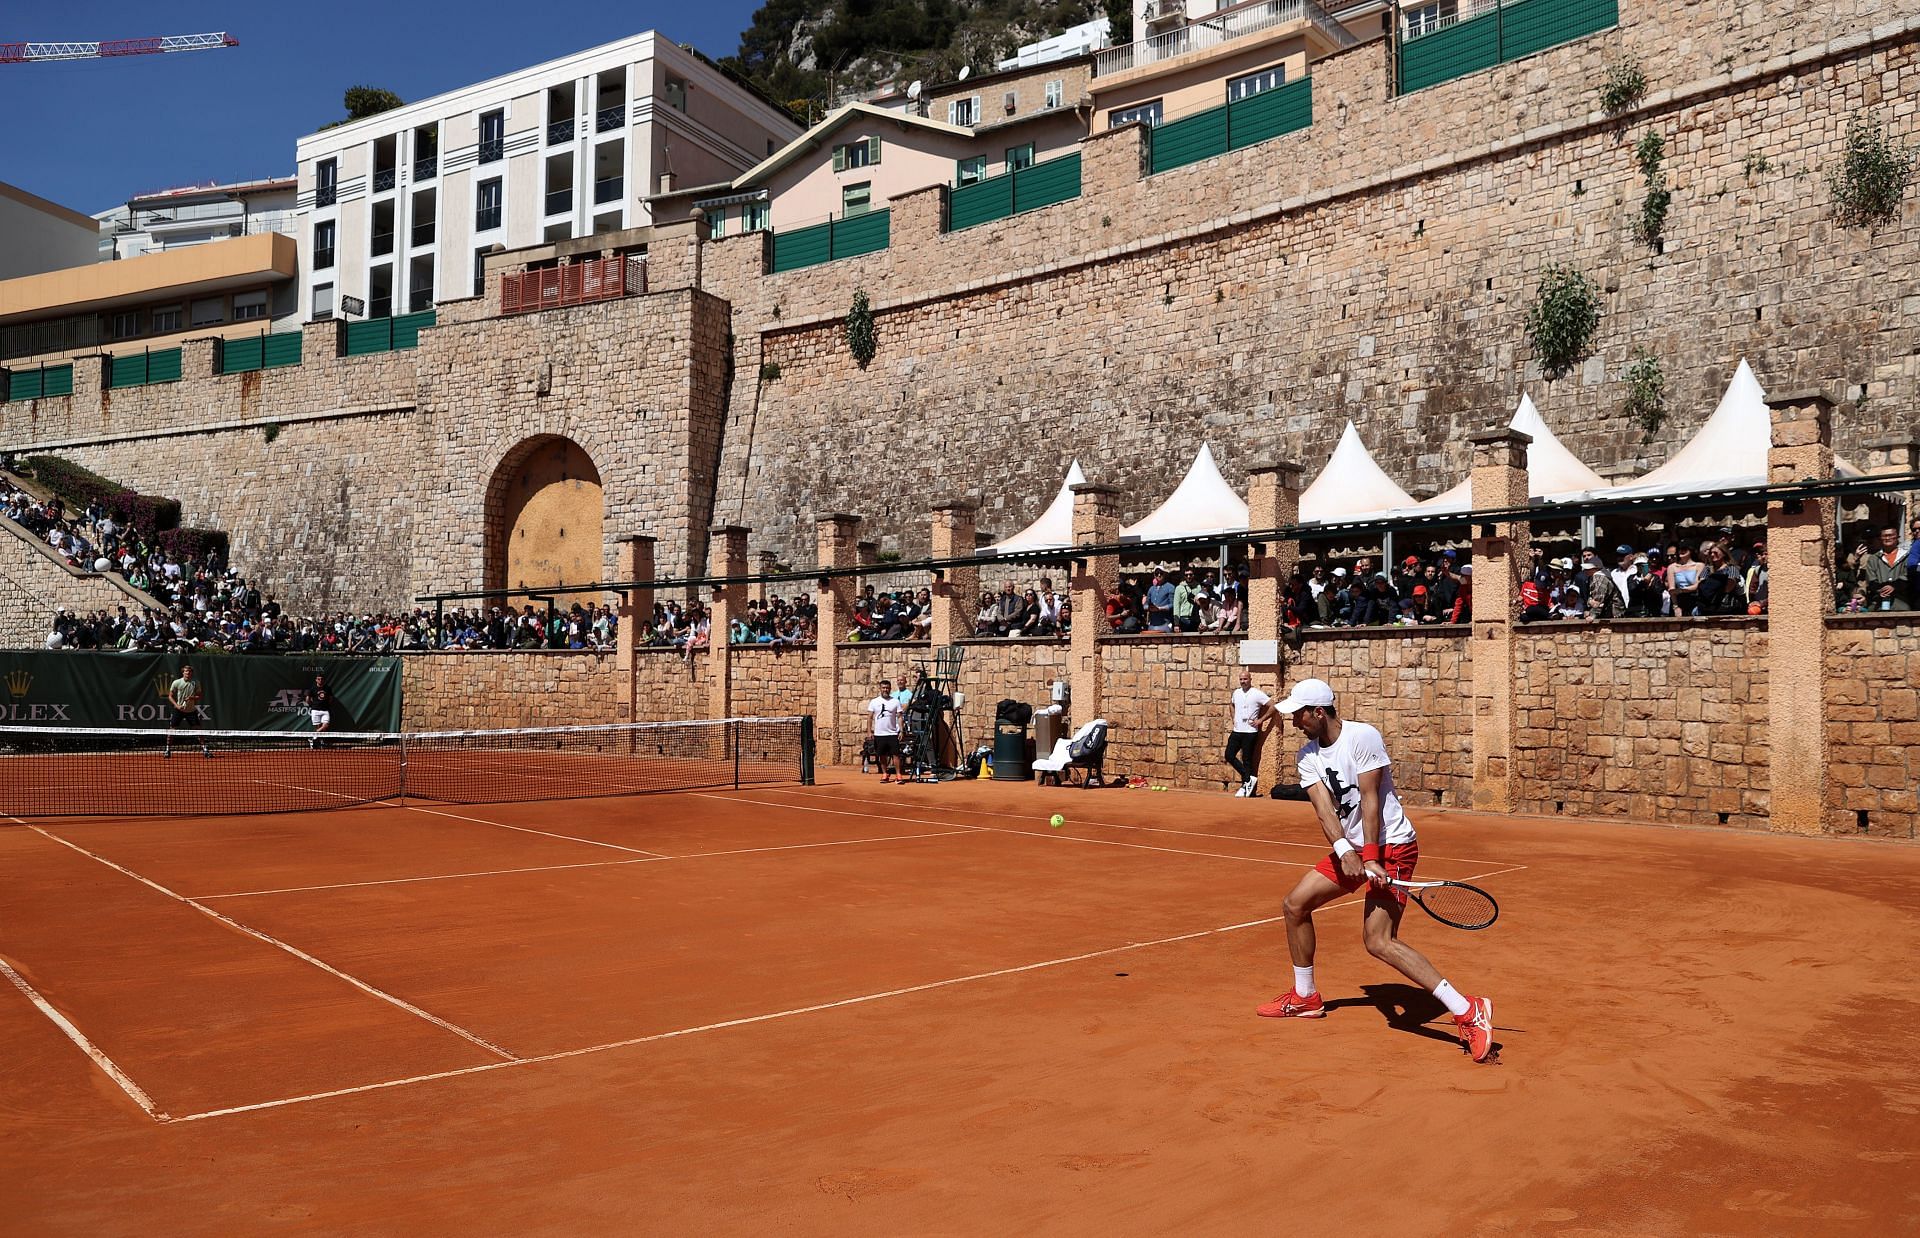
81 772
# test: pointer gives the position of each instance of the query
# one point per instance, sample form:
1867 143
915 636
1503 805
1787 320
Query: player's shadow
1405 1008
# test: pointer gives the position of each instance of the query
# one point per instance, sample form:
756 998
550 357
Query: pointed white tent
1553 472
1201 505
1728 452
1054 528
1351 486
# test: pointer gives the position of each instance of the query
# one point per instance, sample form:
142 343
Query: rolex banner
240 692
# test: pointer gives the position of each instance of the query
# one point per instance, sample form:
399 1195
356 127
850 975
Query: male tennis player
1349 778
319 701
184 695
887 710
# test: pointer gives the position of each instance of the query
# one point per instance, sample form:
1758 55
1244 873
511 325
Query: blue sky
90 134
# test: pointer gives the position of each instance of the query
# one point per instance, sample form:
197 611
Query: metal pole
733 735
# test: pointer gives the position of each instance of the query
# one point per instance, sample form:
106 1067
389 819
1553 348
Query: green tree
365 101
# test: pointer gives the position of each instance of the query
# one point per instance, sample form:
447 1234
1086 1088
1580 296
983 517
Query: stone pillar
323 340
837 536
1110 161
914 221
674 254
726 556
199 357
956 591
1096 522
636 616
1273 502
769 563
1500 564
1799 595
1899 453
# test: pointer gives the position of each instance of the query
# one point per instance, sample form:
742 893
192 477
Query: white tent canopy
1054 528
1352 485
1553 472
1201 505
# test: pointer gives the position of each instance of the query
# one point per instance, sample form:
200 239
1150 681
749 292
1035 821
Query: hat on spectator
1339 571
1307 694
1450 554
1419 591
1466 569
1623 550
1412 560
1562 565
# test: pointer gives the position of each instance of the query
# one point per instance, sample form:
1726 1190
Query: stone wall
486 690
772 682
33 586
1873 721
1417 687
668 686
1647 721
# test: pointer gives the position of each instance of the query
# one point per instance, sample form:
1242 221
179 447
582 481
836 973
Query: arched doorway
544 516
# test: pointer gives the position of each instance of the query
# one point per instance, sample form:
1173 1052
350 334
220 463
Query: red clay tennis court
849 1008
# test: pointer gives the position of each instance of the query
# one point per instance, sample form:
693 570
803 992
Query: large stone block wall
33 587
1873 721
1375 267
1166 706
1661 722
670 687
773 682
486 690
1417 687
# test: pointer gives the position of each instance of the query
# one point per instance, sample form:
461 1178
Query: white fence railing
1217 28
1416 23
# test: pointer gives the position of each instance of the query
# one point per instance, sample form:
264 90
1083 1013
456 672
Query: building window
1256 83
323 300
1429 17
967 171
326 180
855 199
166 320
209 310
493 137
676 93
127 325
1147 114
486 210
753 217
479 272
248 306
716 223
323 234
964 112
1056 92
1019 157
861 154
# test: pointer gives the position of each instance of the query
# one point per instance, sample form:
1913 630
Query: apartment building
197 214
398 210
37 235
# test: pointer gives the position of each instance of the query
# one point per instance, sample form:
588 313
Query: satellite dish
913 90
966 71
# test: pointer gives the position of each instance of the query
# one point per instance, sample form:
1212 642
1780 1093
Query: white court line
1114 825
295 951
74 1034
988 829
645 859
730 1023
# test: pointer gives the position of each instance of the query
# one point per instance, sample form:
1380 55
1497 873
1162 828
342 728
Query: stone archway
545 516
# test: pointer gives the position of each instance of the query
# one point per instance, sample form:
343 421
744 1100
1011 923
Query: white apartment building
197 214
397 210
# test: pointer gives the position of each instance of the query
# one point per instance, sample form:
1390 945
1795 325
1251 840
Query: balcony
425 167
1218 28
605 279
609 118
423 233
326 195
323 258
382 243
385 179
486 219
607 190
560 131
493 150
422 299
559 201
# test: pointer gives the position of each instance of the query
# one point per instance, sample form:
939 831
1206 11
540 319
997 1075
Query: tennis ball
1057 821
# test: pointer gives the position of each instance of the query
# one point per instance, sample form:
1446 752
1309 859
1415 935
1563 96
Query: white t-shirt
886 715
1247 704
1338 767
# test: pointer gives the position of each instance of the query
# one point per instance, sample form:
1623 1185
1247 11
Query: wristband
1342 848
1371 853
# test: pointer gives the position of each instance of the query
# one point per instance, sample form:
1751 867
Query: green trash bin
1012 756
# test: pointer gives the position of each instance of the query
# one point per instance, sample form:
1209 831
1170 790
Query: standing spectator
1884 572
1160 595
1756 581
1249 713
1186 611
885 712
1910 559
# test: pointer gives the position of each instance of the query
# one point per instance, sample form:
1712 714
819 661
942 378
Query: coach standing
1249 710
319 701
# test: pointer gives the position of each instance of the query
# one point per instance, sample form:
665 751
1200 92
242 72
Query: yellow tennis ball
1057 821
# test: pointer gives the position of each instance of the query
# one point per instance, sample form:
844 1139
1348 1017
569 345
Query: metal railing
326 195
425 167
422 299
382 242
603 279
486 219
559 201
607 190
493 150
423 233
323 258
1218 28
609 118
385 179
1467 10
559 131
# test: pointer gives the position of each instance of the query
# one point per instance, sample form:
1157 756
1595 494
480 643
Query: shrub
189 544
1651 224
1562 320
1646 399
143 514
1872 177
1623 86
76 486
860 338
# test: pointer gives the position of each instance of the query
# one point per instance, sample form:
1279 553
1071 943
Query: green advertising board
242 693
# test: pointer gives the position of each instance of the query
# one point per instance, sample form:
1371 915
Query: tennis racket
1453 903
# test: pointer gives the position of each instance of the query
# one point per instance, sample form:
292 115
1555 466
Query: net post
806 750
733 729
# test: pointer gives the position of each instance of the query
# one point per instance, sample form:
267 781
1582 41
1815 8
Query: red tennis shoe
1291 1005
1476 1027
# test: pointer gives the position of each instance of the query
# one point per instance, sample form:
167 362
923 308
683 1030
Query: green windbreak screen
841 238
862 234
1190 139
1233 126
386 334
1029 189
980 202
260 352
1515 29
242 692
37 382
140 368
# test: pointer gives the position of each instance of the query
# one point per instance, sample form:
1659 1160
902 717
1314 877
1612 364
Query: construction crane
26 53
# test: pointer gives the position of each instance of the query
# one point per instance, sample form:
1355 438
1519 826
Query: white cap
1306 694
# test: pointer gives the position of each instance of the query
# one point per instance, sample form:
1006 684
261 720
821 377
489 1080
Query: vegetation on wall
1562 320
1872 177
860 338
1650 226
1623 86
1646 400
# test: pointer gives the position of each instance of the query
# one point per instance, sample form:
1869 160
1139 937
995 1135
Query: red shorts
1398 859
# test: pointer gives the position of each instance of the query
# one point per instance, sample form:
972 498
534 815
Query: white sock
1456 1004
1303 981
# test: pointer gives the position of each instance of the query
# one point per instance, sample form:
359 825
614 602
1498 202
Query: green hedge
188 544
142 514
